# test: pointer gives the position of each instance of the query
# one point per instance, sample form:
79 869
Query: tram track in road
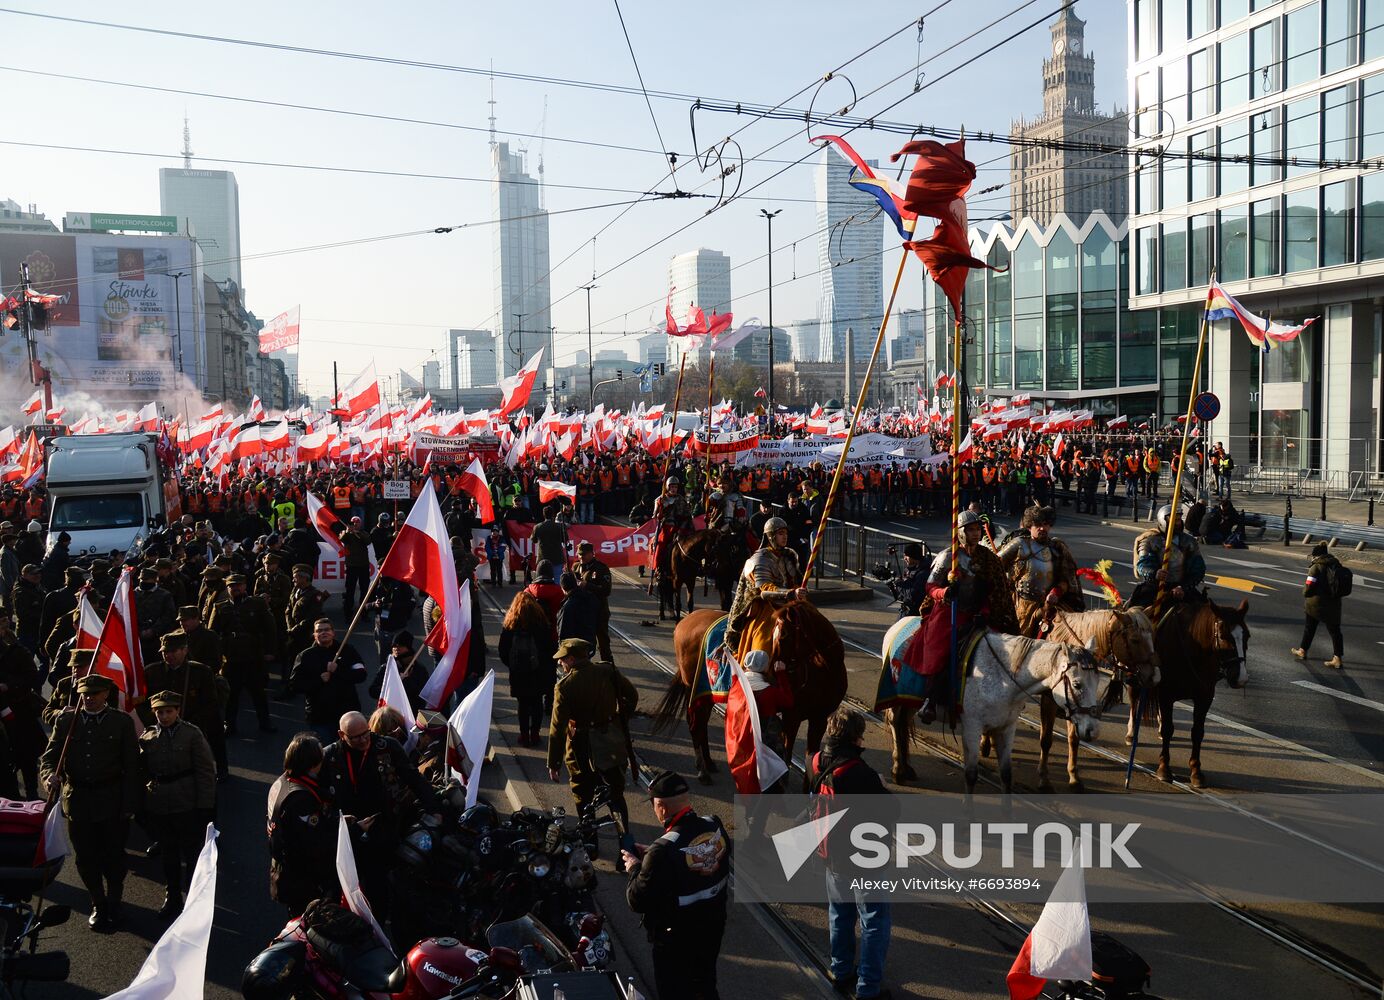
1344 967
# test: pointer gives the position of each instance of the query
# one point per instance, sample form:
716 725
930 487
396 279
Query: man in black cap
61 602
412 670
99 778
179 778
155 610
203 645
680 883
249 653
592 704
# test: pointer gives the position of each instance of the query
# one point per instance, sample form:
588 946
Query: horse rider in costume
770 580
1042 571
1186 567
717 518
984 599
673 515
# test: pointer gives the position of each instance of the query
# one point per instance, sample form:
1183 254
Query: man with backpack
837 769
1327 582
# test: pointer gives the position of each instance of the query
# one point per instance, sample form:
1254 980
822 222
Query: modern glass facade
1286 99
1056 322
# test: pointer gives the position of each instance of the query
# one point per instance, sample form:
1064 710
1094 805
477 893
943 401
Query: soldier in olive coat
195 683
275 587
179 793
596 700
99 778
249 653
304 607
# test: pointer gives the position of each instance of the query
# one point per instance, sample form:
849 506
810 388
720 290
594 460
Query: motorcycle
20 960
327 955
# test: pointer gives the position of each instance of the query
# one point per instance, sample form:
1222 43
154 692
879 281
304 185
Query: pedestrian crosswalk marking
1354 699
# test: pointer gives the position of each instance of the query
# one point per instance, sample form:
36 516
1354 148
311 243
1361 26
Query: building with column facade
1288 100
1044 182
1056 324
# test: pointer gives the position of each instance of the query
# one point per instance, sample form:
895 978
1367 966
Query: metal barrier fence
1338 484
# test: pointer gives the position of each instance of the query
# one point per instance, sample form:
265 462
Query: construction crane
542 140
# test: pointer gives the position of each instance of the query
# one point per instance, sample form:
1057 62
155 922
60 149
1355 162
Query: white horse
1006 670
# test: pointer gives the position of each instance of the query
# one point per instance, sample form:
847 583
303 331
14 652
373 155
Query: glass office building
1056 324
1286 100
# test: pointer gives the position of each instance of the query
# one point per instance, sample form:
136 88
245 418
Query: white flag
392 693
470 732
350 880
179 958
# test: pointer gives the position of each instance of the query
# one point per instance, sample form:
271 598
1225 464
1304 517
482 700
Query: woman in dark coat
302 830
526 648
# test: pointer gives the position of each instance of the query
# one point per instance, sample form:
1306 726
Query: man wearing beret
592 705
195 684
179 778
99 778
680 884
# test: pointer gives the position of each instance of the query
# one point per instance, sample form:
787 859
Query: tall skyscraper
523 298
1044 182
470 359
210 200
848 253
699 277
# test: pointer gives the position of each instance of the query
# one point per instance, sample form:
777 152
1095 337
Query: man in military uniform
60 603
770 579
275 587
680 883
99 778
179 778
20 706
195 683
304 607
155 611
26 604
64 693
203 645
592 704
1186 568
1042 571
248 653
593 576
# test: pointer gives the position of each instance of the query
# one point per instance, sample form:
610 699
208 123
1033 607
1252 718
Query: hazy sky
392 299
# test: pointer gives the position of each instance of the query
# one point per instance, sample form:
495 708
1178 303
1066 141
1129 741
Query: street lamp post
769 217
178 277
590 356
519 332
552 366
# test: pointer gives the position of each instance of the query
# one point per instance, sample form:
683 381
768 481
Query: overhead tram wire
644 90
697 155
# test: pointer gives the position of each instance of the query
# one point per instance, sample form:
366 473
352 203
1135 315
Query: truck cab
107 491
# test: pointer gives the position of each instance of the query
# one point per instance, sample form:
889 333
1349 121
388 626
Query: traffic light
564 385
619 375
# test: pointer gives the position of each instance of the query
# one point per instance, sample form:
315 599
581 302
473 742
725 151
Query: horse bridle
1070 709
1234 654
1120 670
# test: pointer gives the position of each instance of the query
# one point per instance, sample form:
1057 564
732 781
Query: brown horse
716 555
1197 647
804 640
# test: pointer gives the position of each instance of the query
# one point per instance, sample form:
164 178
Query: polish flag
1059 445
468 731
964 453
1059 946
944 381
215 413
360 394
349 877
518 387
1023 399
246 443
55 416
566 446
754 765
313 447
147 419
421 556
88 623
760 393
327 524
117 651
275 436
424 406
201 435
256 409
1117 423
30 466
548 490
473 483
9 441
35 403
392 693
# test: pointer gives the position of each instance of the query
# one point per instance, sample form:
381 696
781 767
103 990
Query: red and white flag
247 443
281 332
215 413
518 387
1059 445
117 651
473 483
53 843
963 454
349 878
360 394
328 525
760 393
753 764
148 418
313 447
55 416
392 693
944 381
256 409
1059 946
274 437
468 733
88 623
34 404
1022 399
548 490
421 556
1117 422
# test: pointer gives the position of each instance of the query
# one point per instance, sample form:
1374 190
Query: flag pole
1173 519
855 419
667 463
710 395
953 665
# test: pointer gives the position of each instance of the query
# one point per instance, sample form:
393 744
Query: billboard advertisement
116 323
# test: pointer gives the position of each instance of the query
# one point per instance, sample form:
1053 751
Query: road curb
517 789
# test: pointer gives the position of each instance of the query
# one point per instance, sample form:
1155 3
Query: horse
1004 671
1123 639
1196 647
803 639
716 555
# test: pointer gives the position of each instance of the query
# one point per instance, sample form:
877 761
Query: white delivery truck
108 491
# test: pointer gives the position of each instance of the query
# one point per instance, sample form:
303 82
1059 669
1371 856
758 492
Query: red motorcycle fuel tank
437 966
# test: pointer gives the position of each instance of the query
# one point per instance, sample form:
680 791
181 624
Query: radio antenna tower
187 144
491 102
